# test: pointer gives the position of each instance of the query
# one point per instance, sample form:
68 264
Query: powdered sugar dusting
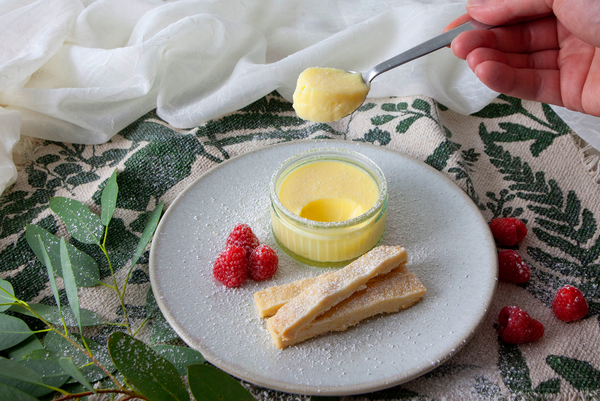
431 218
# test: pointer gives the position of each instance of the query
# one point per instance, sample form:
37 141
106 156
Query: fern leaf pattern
513 159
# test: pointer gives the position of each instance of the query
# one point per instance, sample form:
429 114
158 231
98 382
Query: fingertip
496 76
476 72
457 22
458 47
483 54
475 3
472 65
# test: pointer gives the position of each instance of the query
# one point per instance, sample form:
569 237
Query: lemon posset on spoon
327 94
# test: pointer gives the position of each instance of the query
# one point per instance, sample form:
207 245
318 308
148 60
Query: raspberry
263 263
511 267
569 304
242 235
517 327
231 266
508 231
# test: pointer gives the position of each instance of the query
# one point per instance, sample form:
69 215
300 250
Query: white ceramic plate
449 245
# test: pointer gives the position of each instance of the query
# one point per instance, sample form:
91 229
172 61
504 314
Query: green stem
41 331
17 300
107 285
87 348
141 325
130 394
116 288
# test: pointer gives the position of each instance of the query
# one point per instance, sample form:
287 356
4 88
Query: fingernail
475 3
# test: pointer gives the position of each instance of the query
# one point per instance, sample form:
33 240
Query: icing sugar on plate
449 248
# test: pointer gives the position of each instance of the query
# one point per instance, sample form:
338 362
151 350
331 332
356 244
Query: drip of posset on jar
328 205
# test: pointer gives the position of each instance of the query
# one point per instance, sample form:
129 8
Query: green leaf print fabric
513 159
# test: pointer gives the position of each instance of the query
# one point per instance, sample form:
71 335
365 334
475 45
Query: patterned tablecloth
513 158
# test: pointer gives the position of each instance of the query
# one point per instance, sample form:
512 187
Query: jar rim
337 154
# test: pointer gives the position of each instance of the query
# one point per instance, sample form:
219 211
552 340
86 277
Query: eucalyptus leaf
50 271
208 383
12 331
109 199
69 281
59 347
52 315
49 370
39 355
6 287
23 348
152 375
180 357
85 268
82 224
160 330
147 234
151 305
10 393
68 366
23 378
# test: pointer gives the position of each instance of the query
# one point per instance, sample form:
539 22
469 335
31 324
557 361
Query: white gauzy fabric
10 124
81 71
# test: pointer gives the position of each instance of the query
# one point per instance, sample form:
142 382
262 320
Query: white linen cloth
80 71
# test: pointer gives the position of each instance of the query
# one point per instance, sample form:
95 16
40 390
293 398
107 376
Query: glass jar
328 243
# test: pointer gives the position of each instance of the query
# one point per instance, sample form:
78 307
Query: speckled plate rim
375 385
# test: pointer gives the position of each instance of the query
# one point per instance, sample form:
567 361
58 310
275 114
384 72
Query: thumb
499 12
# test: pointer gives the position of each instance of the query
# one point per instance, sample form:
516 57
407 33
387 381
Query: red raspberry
508 231
511 267
517 327
569 304
231 266
243 236
263 263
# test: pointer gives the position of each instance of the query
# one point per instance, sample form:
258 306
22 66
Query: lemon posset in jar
328 205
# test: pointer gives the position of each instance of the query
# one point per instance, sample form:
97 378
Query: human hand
549 53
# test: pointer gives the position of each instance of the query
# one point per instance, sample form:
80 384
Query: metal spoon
424 48
418 51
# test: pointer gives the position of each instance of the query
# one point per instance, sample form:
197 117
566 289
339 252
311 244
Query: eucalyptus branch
86 351
116 288
131 394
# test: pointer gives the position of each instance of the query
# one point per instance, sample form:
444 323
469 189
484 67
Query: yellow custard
328 205
328 94
328 191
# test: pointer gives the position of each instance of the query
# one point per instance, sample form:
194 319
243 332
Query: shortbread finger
395 291
333 288
269 300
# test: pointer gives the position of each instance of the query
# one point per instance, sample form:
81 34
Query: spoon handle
424 48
